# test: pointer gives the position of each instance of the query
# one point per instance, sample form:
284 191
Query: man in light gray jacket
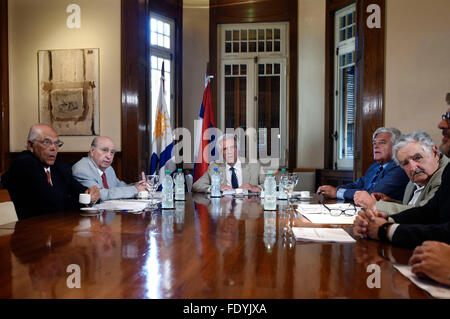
234 172
95 169
418 155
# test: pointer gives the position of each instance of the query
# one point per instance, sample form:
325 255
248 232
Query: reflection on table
204 248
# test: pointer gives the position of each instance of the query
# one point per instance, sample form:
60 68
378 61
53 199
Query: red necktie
49 180
105 183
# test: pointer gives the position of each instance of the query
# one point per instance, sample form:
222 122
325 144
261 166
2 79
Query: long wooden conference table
203 248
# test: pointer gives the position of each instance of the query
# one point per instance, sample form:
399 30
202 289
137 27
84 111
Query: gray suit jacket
86 172
428 192
251 174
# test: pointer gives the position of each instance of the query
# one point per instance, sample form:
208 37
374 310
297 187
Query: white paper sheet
128 205
328 219
336 235
433 288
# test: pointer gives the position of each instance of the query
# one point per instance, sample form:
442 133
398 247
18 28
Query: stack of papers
433 288
123 205
334 235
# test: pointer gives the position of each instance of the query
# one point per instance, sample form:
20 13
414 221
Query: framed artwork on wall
69 90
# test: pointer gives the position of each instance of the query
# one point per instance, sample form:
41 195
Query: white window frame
248 58
167 54
343 47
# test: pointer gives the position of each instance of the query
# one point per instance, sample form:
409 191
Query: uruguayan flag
162 147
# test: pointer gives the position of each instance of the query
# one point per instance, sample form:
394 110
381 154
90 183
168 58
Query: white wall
41 25
311 83
195 58
417 64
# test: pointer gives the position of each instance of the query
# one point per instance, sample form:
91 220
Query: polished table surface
202 249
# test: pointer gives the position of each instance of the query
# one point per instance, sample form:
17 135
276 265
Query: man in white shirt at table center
234 173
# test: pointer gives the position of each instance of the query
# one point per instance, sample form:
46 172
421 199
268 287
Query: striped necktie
375 178
49 180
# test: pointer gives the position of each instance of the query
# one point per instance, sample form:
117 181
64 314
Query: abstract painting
69 90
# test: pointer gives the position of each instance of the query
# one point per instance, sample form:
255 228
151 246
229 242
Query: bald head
102 152
38 130
43 142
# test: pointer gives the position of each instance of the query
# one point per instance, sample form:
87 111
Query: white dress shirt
237 170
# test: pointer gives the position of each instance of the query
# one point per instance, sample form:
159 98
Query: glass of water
152 183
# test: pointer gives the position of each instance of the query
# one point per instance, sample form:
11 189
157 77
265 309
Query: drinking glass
152 183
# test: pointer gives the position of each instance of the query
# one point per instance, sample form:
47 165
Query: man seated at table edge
421 160
37 183
95 169
384 176
234 172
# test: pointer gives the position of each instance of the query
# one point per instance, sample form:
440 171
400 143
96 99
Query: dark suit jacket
392 182
429 222
30 192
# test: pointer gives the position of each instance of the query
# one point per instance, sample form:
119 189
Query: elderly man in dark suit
37 183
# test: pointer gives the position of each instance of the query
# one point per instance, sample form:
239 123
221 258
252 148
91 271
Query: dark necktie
375 178
234 180
105 183
49 180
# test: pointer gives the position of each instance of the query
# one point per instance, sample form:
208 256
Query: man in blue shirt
384 176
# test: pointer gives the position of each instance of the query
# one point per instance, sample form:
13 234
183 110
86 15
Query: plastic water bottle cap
167 172
269 172
283 170
216 169
179 169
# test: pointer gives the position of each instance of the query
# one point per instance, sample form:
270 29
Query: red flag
206 117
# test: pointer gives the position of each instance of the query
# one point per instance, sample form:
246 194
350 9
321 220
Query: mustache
417 171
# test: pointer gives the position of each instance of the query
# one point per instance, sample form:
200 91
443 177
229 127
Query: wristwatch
382 232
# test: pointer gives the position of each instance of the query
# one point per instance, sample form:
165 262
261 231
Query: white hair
395 133
419 137
223 137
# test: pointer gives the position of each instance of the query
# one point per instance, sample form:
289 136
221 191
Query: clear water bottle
167 191
270 192
179 185
281 191
215 183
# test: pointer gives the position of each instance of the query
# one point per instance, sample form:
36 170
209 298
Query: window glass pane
235 46
277 34
252 46
228 35
228 47
235 35
277 68
261 69
154 39
235 102
342 22
269 68
268 34
160 27
276 46
167 42
243 46
235 69
243 34
269 46
269 116
167 29
243 69
227 69
160 40
252 34
260 46
261 34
